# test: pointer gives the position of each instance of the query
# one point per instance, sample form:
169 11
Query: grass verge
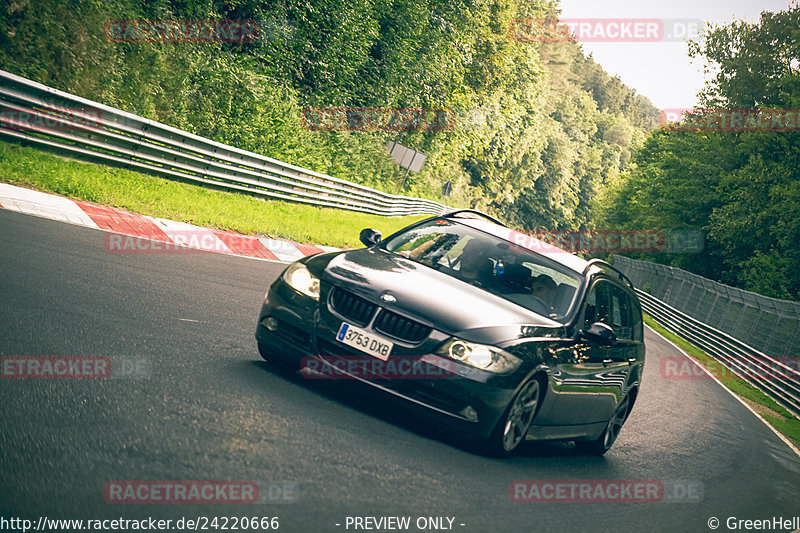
158 197
775 414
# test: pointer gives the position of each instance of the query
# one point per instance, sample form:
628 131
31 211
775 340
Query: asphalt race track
200 405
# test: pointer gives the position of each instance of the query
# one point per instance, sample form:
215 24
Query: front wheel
603 443
265 353
513 425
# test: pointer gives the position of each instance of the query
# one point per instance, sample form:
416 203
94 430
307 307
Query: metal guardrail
779 381
771 324
46 117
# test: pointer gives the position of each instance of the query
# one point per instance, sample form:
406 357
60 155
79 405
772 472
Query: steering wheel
530 302
538 302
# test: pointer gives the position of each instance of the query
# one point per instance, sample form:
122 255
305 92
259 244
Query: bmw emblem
388 298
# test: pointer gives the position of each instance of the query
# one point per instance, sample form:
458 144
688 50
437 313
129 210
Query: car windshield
500 267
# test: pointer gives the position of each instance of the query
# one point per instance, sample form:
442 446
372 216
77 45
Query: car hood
438 299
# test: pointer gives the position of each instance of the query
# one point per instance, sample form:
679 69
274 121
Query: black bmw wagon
493 332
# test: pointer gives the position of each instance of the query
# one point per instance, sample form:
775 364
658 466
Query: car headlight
481 356
300 279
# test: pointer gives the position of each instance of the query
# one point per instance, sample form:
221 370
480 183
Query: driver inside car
544 288
476 267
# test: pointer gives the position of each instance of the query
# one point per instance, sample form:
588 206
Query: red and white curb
164 235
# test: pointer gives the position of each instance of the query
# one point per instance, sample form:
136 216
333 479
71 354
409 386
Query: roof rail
474 212
602 264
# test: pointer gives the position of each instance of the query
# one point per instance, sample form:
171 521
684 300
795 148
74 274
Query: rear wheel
513 425
603 443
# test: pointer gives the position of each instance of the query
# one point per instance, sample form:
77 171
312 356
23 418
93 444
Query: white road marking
701 365
43 205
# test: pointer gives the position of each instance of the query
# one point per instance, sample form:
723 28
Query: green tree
741 188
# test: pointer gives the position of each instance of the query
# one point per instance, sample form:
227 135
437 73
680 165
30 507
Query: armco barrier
771 325
46 117
780 381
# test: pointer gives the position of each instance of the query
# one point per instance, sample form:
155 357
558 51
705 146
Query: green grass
775 414
154 196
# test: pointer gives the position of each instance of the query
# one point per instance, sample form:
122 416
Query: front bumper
294 327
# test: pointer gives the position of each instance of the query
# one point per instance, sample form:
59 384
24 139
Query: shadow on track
402 414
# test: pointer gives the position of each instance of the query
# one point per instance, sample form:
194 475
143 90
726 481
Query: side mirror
369 237
599 333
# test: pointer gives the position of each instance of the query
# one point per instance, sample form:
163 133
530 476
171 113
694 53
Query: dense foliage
538 128
742 188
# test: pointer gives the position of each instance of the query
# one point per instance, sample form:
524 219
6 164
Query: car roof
563 257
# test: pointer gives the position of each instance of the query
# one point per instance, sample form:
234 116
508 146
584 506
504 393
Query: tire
277 361
512 427
266 353
603 443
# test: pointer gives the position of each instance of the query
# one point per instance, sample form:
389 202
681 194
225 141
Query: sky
662 71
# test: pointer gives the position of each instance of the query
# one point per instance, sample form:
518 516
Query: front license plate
364 341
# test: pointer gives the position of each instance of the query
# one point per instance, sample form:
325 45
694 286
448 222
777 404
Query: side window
621 313
598 307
